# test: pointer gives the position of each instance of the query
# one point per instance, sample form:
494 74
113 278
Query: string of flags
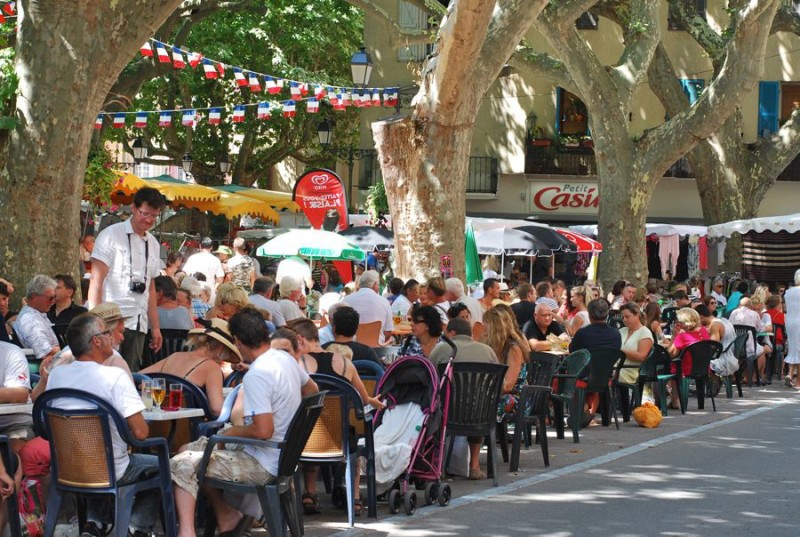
8 11
310 94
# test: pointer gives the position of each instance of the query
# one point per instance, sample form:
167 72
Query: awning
583 243
789 223
278 200
234 206
173 190
650 229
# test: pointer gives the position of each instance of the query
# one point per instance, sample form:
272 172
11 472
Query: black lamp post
186 162
361 67
139 149
225 164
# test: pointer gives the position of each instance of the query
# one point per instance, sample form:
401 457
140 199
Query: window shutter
559 96
693 88
768 107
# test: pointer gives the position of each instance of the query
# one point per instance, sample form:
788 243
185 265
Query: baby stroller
414 379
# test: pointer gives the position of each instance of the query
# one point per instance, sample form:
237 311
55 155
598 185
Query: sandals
358 507
476 475
311 504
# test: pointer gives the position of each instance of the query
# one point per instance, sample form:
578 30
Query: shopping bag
647 415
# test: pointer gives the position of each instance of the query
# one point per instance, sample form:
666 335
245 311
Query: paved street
699 474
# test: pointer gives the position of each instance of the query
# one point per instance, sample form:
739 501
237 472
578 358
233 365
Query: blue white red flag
312 105
209 69
119 121
194 59
272 86
215 116
98 123
238 114
239 77
221 69
187 119
165 119
390 97
10 8
263 111
294 90
289 109
178 61
163 55
253 82
146 50
141 120
319 91
376 97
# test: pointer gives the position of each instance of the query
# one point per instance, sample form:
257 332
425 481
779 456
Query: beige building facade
553 177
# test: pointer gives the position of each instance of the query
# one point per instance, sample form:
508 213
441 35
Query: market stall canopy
278 200
313 243
650 229
370 239
789 223
172 189
550 238
264 234
234 206
512 242
583 243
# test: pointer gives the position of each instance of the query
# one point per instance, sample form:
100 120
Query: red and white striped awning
584 243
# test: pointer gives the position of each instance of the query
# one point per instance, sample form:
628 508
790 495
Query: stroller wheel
394 501
444 495
431 492
410 502
339 497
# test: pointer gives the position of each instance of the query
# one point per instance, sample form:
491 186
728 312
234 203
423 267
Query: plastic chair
138 378
750 357
182 431
82 458
234 379
702 353
738 347
12 503
599 380
279 500
776 364
565 394
615 319
330 441
532 408
369 334
473 406
654 369
211 427
668 317
172 341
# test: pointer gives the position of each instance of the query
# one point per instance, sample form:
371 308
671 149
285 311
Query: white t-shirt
371 307
111 384
273 386
475 308
629 375
207 264
111 247
13 374
401 306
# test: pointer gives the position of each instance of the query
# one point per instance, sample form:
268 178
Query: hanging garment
702 253
668 251
693 256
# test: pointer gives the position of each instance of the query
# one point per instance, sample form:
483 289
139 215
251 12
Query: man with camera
125 260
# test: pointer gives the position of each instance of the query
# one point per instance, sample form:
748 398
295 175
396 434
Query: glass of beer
147 394
159 391
176 396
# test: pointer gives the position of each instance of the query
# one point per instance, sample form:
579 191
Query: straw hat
108 311
218 329
224 250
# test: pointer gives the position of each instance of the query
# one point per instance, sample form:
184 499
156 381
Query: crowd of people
237 318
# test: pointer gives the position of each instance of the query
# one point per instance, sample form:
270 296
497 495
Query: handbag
31 508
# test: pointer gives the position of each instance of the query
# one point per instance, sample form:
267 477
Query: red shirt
778 317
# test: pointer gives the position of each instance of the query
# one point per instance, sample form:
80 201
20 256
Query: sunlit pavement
701 473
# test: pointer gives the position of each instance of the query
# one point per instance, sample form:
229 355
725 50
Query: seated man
64 309
171 316
467 349
273 389
32 325
542 325
92 343
14 388
344 324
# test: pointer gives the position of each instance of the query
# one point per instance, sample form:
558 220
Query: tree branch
780 149
566 12
786 20
697 27
642 34
545 65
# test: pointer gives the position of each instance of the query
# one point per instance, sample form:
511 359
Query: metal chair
702 353
279 500
12 503
473 406
82 458
172 341
572 368
331 441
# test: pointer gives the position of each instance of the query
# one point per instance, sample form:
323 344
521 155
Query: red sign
565 197
321 196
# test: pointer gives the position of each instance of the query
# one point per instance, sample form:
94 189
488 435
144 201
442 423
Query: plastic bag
31 508
647 415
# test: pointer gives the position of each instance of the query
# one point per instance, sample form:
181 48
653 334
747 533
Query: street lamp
361 67
325 132
350 155
139 149
186 162
225 164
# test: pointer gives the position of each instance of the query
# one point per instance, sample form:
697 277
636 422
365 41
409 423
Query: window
673 19
768 104
572 118
587 21
693 88
412 18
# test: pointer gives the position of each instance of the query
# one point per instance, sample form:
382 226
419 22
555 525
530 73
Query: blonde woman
688 330
504 337
201 365
229 300
578 317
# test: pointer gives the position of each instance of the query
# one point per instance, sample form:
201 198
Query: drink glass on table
147 394
159 391
176 396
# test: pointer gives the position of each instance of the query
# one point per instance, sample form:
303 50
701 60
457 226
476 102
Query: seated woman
426 332
637 342
314 359
209 347
688 329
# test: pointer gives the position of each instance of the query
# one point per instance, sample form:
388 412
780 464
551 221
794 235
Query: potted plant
587 142
537 138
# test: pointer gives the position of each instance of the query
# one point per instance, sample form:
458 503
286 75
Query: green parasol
314 243
473 263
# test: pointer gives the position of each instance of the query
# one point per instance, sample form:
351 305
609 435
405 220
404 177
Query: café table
401 329
172 416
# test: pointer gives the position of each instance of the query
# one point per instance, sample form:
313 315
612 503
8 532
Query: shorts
225 464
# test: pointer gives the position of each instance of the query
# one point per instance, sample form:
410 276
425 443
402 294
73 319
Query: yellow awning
234 206
279 200
128 184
